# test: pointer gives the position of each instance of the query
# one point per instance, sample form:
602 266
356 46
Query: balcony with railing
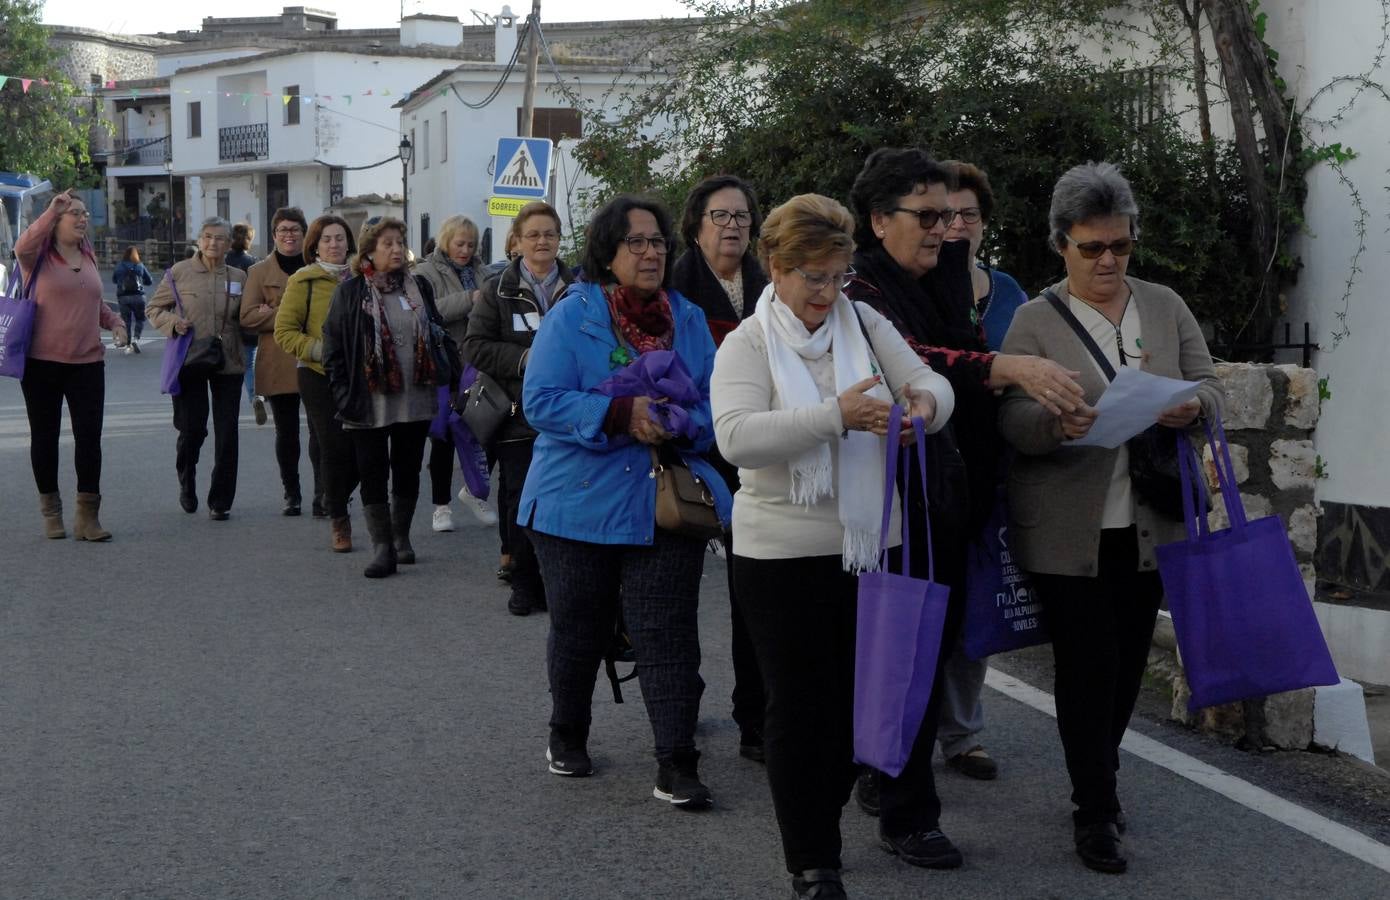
142 151
243 143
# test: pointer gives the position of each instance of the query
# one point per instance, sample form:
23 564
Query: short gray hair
1090 191
215 222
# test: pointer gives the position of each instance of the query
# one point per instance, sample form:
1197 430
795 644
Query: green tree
42 130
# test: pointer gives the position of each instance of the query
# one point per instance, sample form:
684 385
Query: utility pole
533 49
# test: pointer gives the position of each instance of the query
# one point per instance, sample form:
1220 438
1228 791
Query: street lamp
406 151
169 170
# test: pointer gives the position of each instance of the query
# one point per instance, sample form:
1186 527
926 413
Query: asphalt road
204 709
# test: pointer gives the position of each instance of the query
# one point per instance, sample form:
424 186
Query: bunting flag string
245 96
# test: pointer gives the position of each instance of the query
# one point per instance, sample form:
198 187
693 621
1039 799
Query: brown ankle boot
86 527
342 534
51 507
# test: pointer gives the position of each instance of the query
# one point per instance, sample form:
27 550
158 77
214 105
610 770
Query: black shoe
866 792
818 884
291 507
135 344
928 849
678 783
974 763
218 515
188 501
519 604
750 746
1098 846
504 573
318 509
568 756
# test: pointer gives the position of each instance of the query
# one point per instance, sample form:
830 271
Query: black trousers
337 465
191 408
800 615
1101 629
748 697
285 409
394 452
514 458
46 385
441 470
659 589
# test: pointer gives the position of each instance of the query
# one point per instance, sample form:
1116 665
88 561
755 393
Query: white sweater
755 433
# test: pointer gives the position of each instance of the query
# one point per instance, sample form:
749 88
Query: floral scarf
382 368
644 322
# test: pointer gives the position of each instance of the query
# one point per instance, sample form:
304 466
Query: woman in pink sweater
66 360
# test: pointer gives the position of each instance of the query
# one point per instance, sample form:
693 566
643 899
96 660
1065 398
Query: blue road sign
523 167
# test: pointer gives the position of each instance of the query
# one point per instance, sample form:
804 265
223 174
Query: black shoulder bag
1153 453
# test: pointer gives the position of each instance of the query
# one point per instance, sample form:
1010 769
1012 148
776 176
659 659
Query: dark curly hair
888 174
607 229
694 213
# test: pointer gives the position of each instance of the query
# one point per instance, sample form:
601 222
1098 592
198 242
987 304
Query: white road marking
1348 840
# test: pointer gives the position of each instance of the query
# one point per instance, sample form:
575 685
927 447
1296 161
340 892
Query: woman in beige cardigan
276 379
1078 525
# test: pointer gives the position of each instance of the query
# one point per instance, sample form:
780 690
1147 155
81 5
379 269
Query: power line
339 112
502 82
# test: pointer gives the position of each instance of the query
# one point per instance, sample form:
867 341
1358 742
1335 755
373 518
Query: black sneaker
866 792
319 510
818 884
928 849
519 604
568 757
681 787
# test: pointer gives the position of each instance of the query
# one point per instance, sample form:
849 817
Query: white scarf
860 479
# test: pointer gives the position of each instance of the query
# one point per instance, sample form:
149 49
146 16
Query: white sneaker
129 349
479 508
443 519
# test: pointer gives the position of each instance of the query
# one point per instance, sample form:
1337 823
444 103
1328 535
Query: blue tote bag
1001 612
1244 623
898 634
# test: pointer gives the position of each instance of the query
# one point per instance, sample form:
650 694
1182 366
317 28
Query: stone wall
1271 412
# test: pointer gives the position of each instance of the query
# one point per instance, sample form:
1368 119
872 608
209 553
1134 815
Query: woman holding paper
1077 524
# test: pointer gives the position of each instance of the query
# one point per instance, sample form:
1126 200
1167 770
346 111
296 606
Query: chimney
504 42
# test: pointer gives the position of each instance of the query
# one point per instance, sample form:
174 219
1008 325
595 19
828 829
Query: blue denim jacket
583 485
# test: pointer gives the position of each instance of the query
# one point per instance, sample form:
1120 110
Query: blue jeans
249 351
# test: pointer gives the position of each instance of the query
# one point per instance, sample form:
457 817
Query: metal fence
243 142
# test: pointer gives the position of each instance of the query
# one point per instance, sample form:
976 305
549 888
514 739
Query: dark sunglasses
1096 249
927 218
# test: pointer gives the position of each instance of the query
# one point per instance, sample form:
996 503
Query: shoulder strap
1085 336
174 286
863 329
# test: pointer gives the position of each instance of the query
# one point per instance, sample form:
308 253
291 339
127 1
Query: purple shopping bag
17 327
1244 623
1001 612
898 636
175 350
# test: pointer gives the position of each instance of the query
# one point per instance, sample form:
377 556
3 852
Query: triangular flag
110 84
285 99
3 79
135 92
328 97
348 98
386 93
307 99
45 82
25 82
367 92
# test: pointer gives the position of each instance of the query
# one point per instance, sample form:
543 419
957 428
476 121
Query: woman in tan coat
276 378
209 294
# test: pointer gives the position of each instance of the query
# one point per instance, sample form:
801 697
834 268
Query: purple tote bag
1001 613
17 325
1244 623
471 456
898 635
175 350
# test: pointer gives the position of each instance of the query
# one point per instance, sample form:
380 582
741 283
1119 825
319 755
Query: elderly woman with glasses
501 329
208 301
1078 525
802 394
590 498
66 361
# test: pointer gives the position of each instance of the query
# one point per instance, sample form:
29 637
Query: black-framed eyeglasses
970 215
287 231
1096 249
541 235
637 244
817 281
740 217
928 217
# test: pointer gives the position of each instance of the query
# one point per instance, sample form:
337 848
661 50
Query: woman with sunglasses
921 283
1078 527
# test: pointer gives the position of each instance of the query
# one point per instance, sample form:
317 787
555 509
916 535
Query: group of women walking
749 379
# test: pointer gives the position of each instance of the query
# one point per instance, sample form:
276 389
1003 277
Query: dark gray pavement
211 710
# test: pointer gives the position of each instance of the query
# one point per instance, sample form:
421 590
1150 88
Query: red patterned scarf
645 322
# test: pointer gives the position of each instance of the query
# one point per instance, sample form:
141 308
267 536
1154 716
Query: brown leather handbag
684 503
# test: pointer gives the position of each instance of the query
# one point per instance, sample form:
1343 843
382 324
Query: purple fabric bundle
448 423
660 375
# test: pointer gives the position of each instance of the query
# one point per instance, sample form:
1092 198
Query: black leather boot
378 516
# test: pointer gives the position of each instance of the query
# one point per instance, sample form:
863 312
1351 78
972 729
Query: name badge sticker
526 321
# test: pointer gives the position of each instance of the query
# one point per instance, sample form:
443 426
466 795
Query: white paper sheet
1131 404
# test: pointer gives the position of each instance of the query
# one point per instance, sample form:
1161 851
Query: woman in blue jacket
590 496
131 278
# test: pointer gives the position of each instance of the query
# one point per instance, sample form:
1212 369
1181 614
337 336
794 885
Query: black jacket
345 334
692 276
500 336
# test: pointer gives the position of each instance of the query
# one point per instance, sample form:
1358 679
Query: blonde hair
807 228
450 228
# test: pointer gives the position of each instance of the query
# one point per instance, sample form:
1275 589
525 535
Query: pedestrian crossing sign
523 168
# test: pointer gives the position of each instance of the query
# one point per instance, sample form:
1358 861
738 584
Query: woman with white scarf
801 395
